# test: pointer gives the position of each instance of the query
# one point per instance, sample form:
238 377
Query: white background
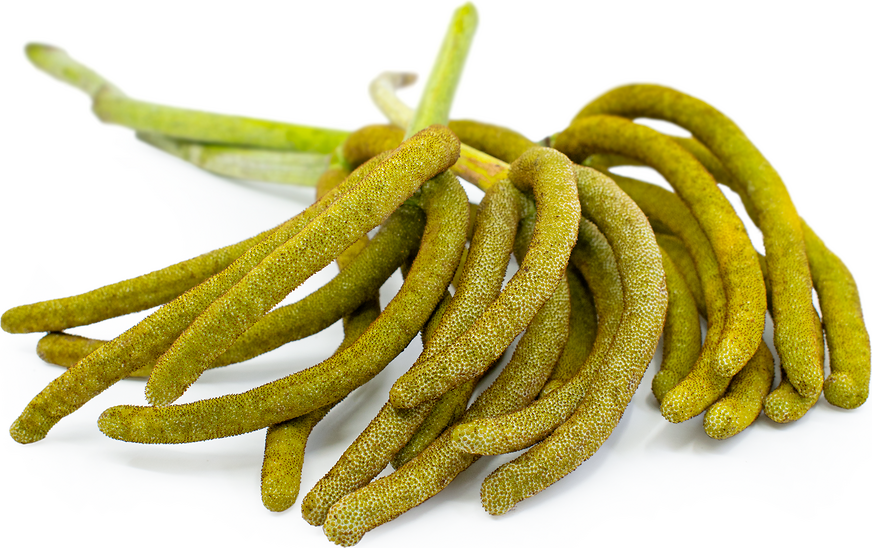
85 204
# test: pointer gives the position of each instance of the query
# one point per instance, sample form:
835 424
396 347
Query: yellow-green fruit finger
582 333
703 385
480 283
370 452
64 349
847 337
445 204
499 142
364 459
356 212
67 350
737 260
786 403
358 281
370 141
286 441
743 401
681 333
683 261
502 434
448 409
720 173
796 338
432 470
395 241
643 284
283 459
645 302
363 268
550 176
141 345
126 297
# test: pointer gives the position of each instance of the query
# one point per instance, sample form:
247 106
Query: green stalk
112 106
253 164
439 93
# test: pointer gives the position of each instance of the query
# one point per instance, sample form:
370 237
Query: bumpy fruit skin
743 401
510 432
285 444
681 333
358 210
797 339
126 297
549 175
582 332
683 261
480 283
445 205
847 337
737 260
645 303
436 466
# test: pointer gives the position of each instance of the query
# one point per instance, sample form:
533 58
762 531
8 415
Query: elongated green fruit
847 337
703 385
480 283
359 281
369 141
142 344
837 294
582 332
499 142
283 459
737 260
118 299
796 338
683 261
579 437
285 443
446 411
359 210
785 403
429 472
643 283
501 434
743 401
681 333
445 204
550 176
502 208
67 350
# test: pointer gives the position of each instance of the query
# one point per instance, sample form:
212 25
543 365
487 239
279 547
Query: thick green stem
114 107
439 93
273 166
